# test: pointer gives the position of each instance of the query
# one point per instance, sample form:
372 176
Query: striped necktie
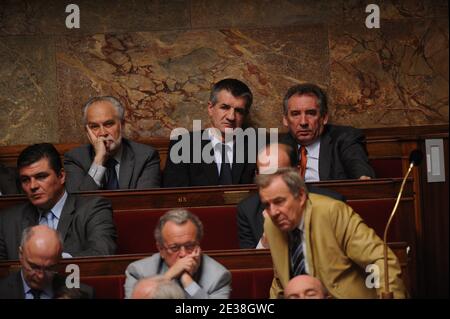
296 251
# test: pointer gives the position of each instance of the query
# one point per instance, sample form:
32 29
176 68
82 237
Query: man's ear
62 176
210 108
325 119
285 122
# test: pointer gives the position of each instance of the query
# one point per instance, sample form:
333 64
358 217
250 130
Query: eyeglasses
36 268
188 247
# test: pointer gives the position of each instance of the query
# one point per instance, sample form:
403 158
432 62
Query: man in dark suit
40 251
8 181
211 157
110 161
250 216
322 151
85 223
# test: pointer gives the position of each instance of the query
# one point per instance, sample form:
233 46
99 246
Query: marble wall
161 58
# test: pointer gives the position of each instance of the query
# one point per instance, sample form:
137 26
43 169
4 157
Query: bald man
157 287
250 210
39 254
305 287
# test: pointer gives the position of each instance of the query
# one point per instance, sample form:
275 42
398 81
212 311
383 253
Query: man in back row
110 161
85 223
320 150
228 107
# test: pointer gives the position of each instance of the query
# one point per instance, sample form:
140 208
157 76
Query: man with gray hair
157 287
109 161
178 235
322 237
39 253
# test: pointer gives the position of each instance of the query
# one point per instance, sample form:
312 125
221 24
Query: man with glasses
39 254
178 235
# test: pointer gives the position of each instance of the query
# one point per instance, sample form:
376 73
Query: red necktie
303 159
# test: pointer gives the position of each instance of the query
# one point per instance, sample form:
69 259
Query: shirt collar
57 209
214 140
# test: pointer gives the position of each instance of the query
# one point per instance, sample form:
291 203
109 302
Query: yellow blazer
339 246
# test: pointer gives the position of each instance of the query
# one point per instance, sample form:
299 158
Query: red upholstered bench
375 214
135 228
387 167
106 287
251 283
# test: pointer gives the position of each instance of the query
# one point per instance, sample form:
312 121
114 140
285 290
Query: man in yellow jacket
317 235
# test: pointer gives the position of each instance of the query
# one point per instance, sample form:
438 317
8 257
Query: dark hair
36 152
236 88
307 89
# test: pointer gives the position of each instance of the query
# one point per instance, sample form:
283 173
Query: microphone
415 158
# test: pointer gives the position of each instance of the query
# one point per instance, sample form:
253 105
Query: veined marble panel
27 91
164 78
393 76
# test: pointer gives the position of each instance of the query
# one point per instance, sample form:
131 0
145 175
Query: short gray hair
107 98
28 232
289 175
179 217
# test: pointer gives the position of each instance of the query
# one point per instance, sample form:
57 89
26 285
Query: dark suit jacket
8 181
86 226
205 174
251 221
139 167
343 153
11 287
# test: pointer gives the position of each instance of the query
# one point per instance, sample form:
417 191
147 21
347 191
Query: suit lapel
279 249
30 216
325 156
307 222
66 216
126 166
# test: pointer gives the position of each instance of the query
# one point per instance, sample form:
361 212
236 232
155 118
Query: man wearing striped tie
322 237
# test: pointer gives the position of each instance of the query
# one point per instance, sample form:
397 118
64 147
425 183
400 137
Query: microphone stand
386 294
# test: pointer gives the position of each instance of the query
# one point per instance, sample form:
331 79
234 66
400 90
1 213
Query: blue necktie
47 219
113 181
225 177
296 251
